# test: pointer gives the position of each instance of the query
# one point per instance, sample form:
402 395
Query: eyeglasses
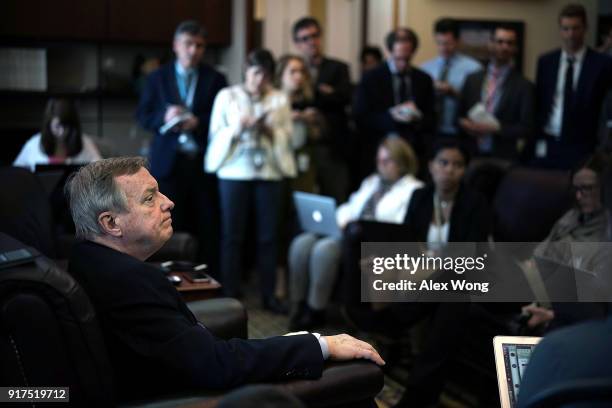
584 188
500 41
307 37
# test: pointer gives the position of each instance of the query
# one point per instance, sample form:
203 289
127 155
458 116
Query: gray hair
93 190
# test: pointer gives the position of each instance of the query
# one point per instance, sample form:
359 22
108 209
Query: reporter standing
250 150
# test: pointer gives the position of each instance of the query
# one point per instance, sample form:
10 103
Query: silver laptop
317 214
512 354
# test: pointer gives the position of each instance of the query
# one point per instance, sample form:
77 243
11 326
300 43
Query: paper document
479 114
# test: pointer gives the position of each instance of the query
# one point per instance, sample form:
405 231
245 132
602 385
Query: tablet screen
516 357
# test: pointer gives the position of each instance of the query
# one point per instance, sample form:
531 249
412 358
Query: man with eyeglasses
496 106
571 84
332 84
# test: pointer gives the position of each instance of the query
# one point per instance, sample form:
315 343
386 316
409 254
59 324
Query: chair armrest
342 383
226 318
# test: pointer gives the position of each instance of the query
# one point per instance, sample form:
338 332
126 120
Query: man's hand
326 89
172 111
539 315
343 347
190 124
404 112
477 129
444 88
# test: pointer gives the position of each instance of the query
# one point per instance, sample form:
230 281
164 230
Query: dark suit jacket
155 343
160 91
578 352
594 81
469 222
333 106
374 97
515 110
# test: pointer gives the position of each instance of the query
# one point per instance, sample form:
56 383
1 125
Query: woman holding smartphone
250 150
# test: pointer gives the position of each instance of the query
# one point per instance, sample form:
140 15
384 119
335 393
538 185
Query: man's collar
393 69
182 71
316 61
578 56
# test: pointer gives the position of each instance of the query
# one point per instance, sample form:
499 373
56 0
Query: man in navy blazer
185 89
571 84
396 97
155 343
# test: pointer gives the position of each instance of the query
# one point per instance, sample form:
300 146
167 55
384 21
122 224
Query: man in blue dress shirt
448 70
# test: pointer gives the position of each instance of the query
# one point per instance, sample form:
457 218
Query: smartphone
197 277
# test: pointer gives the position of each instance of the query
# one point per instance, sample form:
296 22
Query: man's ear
107 222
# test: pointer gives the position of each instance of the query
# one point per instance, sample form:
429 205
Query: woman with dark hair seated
60 140
250 150
441 212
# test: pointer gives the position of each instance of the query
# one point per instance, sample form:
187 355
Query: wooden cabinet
57 19
135 21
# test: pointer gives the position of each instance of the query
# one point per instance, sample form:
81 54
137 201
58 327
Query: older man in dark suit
571 84
183 91
501 93
154 342
397 98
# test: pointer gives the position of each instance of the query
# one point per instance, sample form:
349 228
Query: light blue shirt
182 75
460 67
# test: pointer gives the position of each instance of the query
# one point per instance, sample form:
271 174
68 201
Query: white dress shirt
555 121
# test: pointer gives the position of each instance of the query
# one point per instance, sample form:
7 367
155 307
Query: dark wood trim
365 5
250 25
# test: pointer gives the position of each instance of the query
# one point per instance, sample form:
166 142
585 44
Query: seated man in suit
155 343
396 97
501 92
571 84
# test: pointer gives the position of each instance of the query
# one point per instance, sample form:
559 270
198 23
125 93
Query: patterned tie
492 84
445 68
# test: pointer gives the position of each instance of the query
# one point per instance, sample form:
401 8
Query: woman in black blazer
443 211
446 206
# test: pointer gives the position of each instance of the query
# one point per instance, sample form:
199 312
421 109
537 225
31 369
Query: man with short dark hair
502 93
396 98
155 343
448 70
571 84
332 83
175 106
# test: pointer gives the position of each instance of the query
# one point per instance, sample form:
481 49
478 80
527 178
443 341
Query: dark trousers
196 205
238 199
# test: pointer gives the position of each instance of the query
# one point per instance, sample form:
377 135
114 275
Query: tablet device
512 354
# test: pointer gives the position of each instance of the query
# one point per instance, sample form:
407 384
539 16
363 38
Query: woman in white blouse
60 140
250 150
314 260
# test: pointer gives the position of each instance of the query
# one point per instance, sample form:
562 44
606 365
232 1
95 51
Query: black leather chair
49 336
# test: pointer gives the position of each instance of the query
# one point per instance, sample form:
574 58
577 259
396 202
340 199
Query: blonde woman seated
60 140
314 260
293 78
